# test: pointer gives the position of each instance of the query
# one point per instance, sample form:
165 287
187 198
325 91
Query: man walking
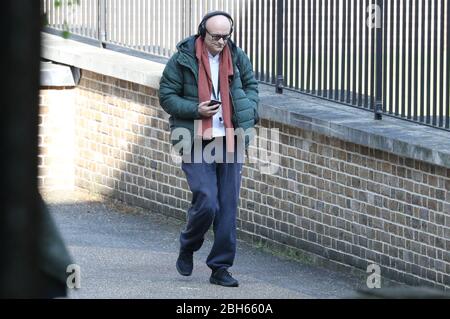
209 90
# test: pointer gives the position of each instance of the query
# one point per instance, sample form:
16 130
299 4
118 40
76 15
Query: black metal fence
388 56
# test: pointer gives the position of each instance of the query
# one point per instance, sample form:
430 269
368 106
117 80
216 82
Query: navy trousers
215 197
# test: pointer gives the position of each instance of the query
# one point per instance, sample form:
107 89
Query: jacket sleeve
249 83
171 93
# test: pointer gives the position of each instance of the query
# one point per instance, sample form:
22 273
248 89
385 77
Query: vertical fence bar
372 59
366 59
151 31
313 47
171 25
86 22
190 20
447 118
336 68
268 43
395 49
159 26
262 39
348 50
68 17
361 25
422 64
302 47
132 40
291 45
251 31
310 37
410 64
279 86
297 52
162 27
128 13
274 42
101 28
146 26
119 21
319 48
142 23
256 59
303 66
137 24
240 26
126 24
428 105
435 56
354 61
58 17
247 27
415 93
86 18
368 55
403 55
332 52
378 109
176 25
49 12
109 29
92 18
309 47
325 50
344 44
80 19
441 68
167 26
385 55
285 42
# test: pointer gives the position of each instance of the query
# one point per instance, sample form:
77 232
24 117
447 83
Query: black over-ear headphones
202 25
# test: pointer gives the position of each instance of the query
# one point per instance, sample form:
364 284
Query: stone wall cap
102 61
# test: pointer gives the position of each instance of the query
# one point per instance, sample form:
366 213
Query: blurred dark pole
280 43
378 110
20 26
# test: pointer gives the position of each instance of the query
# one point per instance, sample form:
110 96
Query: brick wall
335 200
57 138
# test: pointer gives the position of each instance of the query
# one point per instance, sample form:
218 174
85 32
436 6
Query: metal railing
397 64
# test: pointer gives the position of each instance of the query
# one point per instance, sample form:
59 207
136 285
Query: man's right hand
207 111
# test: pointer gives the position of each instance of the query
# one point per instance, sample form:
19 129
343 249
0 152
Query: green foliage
65 32
59 3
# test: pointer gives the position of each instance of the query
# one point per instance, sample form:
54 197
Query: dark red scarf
205 89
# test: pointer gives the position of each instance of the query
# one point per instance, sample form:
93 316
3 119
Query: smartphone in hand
215 102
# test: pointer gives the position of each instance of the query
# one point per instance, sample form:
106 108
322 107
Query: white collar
214 58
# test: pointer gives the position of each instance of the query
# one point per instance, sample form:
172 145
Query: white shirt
218 127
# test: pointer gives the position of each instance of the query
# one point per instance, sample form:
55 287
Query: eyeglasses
217 37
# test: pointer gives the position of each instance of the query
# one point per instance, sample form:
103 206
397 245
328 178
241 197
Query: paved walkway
127 252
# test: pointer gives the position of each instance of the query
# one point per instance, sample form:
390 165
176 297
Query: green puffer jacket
178 92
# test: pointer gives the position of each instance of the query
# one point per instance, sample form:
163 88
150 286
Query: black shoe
223 277
185 263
